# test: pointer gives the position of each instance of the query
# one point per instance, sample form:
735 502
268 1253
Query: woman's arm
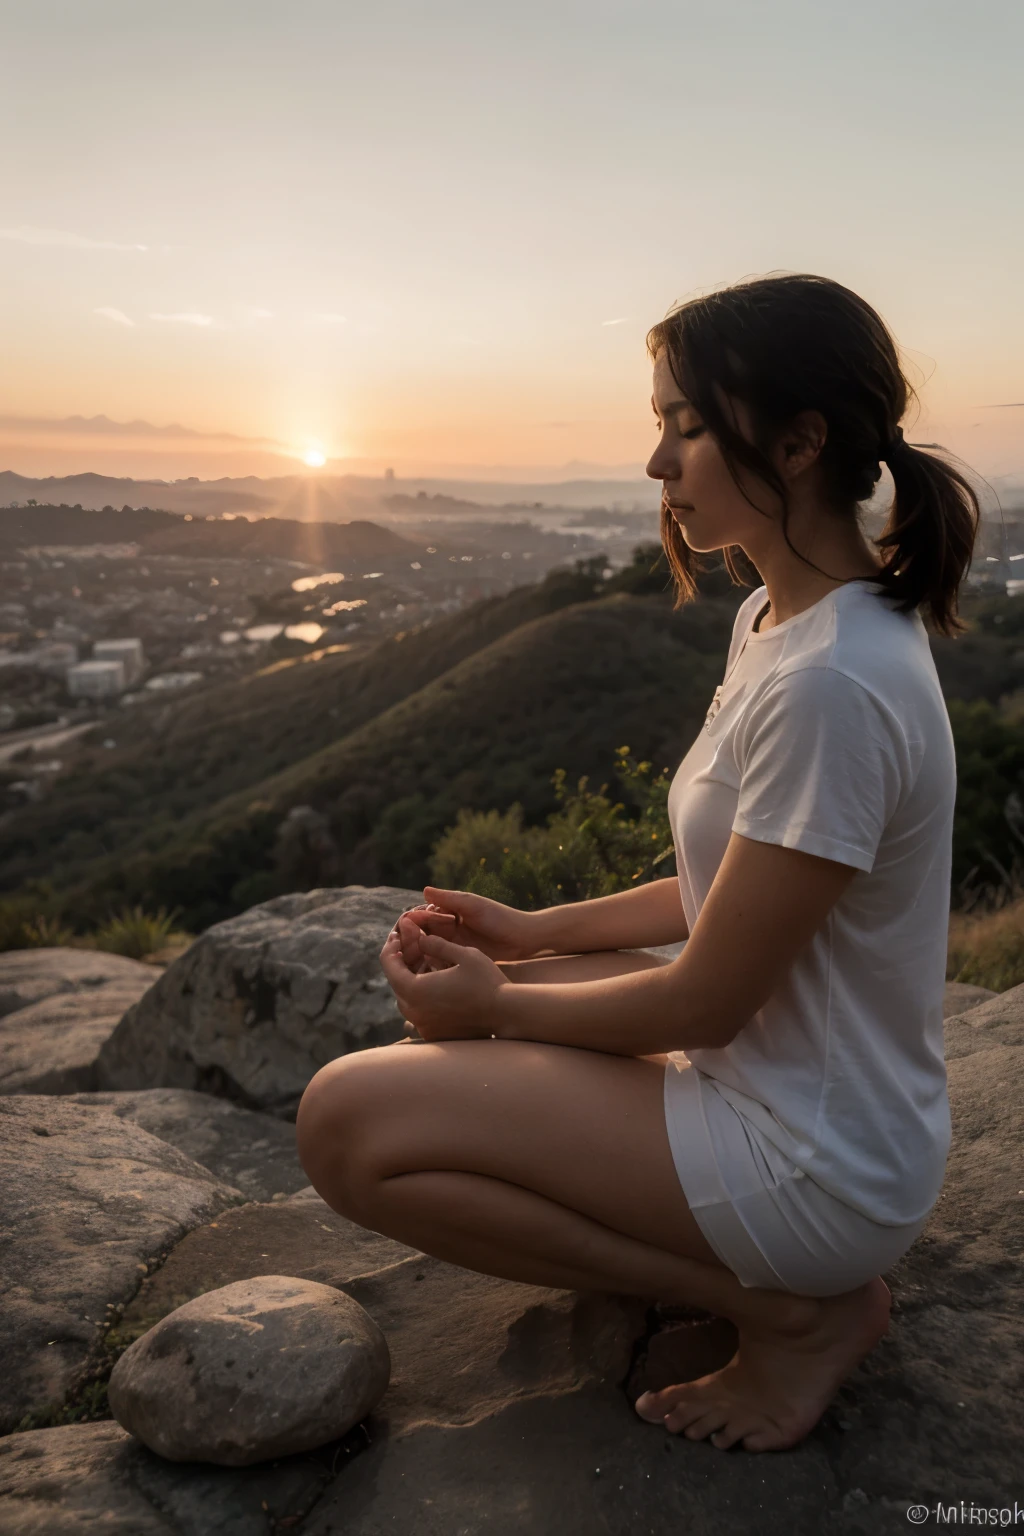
645 916
765 904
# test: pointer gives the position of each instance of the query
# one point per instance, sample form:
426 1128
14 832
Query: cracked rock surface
57 1008
89 1202
260 1002
254 1152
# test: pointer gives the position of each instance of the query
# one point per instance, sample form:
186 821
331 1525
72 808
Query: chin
699 549
692 541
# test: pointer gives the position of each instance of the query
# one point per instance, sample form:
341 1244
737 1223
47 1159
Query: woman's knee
341 1119
327 1127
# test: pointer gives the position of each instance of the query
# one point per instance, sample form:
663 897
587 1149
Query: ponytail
930 533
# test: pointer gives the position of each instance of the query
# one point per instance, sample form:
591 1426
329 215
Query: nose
660 465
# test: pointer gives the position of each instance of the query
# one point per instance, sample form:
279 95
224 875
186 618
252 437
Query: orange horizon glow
435 299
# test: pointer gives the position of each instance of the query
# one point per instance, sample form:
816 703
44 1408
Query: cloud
185 317
1001 405
117 315
331 319
103 427
28 234
258 314
620 321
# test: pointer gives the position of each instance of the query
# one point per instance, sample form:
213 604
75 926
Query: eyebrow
673 406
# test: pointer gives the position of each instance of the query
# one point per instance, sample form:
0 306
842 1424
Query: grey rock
259 1003
998 1021
962 995
89 1203
28 975
254 1152
52 1045
262 1368
83 1478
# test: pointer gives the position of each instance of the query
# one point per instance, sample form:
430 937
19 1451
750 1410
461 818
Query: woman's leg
551 1166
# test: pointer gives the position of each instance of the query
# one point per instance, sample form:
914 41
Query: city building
129 652
96 679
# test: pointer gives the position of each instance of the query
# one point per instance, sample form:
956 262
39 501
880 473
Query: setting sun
315 458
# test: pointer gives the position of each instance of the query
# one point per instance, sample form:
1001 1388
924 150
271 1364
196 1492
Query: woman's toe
725 1438
653 1406
700 1422
764 1438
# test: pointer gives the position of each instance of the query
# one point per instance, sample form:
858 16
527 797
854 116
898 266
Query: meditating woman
758 1127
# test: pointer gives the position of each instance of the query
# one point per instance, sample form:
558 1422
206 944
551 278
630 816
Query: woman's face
699 491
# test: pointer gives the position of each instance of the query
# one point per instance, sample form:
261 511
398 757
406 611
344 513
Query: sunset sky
433 235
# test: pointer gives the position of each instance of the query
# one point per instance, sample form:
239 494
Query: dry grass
987 948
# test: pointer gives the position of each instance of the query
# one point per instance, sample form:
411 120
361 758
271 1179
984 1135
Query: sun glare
315 458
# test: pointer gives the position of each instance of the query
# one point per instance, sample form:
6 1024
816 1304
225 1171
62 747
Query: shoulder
863 645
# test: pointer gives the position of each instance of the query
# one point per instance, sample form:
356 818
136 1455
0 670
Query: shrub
136 933
23 926
591 845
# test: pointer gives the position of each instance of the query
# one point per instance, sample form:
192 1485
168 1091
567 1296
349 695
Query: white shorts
765 1219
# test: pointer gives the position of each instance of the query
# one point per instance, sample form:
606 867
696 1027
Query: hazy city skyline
434 237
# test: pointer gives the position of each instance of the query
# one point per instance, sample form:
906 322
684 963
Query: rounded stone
263 1368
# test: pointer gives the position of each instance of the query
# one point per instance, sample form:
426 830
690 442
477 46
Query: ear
800 444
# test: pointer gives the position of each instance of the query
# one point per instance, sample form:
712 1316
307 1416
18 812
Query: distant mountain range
315 498
327 498
171 533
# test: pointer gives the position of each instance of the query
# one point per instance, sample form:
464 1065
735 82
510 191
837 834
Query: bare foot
780 1381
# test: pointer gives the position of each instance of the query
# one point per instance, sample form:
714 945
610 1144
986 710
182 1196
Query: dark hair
788 343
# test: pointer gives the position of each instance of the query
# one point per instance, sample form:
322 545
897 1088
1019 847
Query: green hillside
175 758
350 767
563 690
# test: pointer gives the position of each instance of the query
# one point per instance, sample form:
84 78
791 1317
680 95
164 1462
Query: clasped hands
446 988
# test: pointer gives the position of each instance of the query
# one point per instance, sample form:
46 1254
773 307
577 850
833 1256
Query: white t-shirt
830 734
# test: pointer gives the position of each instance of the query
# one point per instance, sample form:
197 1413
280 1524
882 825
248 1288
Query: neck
793 586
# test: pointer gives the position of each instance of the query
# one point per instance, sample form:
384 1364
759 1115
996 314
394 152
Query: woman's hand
476 922
410 933
456 1000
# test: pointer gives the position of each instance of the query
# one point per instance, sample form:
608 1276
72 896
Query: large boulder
57 1009
262 1368
258 1004
254 1152
90 1202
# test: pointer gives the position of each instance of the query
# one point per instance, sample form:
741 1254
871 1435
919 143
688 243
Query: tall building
129 652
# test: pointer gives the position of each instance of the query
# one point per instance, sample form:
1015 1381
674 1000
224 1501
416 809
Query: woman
760 1126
